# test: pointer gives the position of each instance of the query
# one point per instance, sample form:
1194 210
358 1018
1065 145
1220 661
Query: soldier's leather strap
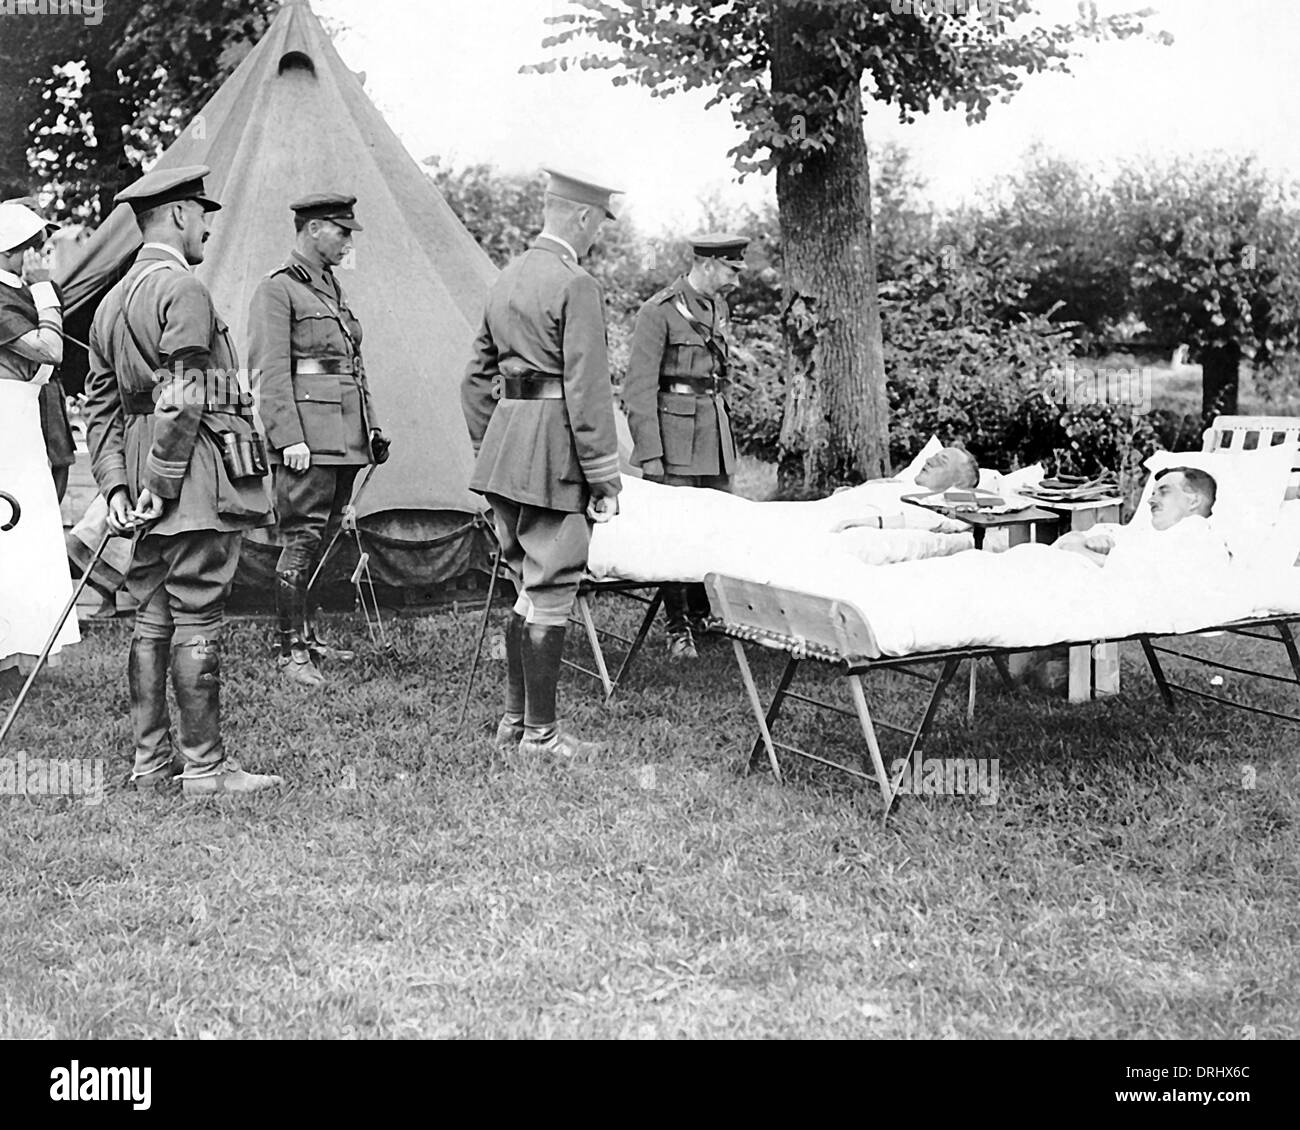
706 332
536 386
691 386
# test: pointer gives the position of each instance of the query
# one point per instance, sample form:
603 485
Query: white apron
35 582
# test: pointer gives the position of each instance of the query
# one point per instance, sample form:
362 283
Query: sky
445 74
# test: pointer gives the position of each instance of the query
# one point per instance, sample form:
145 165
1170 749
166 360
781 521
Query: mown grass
411 883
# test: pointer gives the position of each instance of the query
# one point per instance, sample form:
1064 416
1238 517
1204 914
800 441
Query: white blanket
674 534
1035 595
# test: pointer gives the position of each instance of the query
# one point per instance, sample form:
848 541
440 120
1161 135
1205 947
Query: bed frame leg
756 705
946 676
873 744
1288 641
1158 672
1004 672
593 640
644 630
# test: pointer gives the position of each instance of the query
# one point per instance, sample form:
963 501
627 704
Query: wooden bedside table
1020 524
1094 670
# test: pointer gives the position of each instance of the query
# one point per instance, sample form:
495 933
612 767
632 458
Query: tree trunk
110 168
836 424
1220 366
15 172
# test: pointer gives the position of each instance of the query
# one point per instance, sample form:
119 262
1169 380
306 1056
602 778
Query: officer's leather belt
322 366
691 386
534 386
142 402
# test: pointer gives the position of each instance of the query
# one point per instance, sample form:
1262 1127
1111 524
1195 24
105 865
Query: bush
757 398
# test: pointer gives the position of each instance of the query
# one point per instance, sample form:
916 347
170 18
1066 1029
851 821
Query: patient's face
1171 502
947 468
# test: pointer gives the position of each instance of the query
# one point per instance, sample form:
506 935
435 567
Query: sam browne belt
535 386
692 386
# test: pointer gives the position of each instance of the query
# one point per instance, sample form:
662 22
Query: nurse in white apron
35 582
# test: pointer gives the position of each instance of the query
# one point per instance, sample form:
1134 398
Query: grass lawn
1127 883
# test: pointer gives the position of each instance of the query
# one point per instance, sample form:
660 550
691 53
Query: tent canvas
292 119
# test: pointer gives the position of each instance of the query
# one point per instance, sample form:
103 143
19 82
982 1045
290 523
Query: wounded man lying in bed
949 467
1169 576
1181 503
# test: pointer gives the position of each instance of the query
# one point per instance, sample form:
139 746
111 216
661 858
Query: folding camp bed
835 632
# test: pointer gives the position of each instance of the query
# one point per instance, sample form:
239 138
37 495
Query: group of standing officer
539 405
176 455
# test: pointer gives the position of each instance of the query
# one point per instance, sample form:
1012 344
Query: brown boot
298 667
296 663
146 677
559 745
196 679
509 733
543 652
510 730
681 647
229 779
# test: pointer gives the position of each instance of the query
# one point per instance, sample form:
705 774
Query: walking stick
482 633
54 635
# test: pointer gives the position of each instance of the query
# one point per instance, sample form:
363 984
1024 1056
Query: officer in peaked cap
305 348
540 410
168 186
167 420
675 395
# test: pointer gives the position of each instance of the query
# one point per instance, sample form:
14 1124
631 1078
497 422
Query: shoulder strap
161 265
706 332
294 270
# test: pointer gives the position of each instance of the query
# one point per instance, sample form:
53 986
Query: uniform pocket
677 427
319 398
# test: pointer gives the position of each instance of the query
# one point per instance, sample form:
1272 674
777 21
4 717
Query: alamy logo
947 776
927 8
91 11
101 1084
21 775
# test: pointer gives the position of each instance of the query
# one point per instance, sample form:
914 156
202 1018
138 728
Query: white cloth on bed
1035 595
666 533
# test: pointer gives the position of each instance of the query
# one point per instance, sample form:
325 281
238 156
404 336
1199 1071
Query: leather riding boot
295 662
196 679
146 674
510 730
543 653
681 645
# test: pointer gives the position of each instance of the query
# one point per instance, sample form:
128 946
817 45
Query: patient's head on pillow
1179 493
951 467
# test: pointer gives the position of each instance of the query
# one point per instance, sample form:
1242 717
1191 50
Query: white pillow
909 473
1012 481
1279 546
1251 487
